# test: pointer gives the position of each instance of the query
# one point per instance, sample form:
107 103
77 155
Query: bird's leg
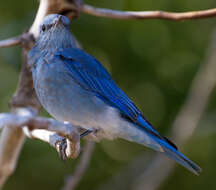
86 132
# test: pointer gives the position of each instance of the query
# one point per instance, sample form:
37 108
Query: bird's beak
58 20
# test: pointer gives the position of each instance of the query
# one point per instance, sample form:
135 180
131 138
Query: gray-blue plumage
73 86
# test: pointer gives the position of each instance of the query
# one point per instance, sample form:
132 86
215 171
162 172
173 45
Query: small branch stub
25 40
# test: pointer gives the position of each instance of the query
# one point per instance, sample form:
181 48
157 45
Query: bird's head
53 22
55 33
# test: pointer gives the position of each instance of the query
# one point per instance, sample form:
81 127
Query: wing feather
93 77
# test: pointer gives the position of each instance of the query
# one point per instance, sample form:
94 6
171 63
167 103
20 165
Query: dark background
154 62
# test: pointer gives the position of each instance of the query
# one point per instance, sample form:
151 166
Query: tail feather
167 147
144 133
179 157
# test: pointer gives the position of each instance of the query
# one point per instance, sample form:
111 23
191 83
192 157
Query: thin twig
117 14
10 42
25 40
185 122
45 129
73 180
17 121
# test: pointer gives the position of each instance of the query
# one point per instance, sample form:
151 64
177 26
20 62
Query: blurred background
154 62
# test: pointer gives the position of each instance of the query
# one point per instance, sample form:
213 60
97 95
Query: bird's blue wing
92 76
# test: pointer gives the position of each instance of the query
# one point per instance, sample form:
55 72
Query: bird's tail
180 158
151 138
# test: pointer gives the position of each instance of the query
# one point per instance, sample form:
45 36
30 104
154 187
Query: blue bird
73 86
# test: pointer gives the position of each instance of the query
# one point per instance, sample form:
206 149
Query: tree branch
117 14
10 42
11 142
108 13
18 121
48 130
25 101
23 40
25 104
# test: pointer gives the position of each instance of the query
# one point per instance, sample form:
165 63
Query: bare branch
9 150
73 180
117 14
185 122
64 129
12 139
108 13
25 40
10 42
48 130
52 131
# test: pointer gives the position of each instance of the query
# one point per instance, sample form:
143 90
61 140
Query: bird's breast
63 98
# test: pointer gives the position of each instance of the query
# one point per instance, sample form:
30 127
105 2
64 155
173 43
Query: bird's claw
61 147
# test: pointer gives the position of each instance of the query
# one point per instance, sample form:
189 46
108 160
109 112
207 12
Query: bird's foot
62 146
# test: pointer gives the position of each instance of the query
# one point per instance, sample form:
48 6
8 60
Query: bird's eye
43 28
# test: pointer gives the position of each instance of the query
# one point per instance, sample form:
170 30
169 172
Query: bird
74 86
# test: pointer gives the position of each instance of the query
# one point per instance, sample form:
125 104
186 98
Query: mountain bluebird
73 86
